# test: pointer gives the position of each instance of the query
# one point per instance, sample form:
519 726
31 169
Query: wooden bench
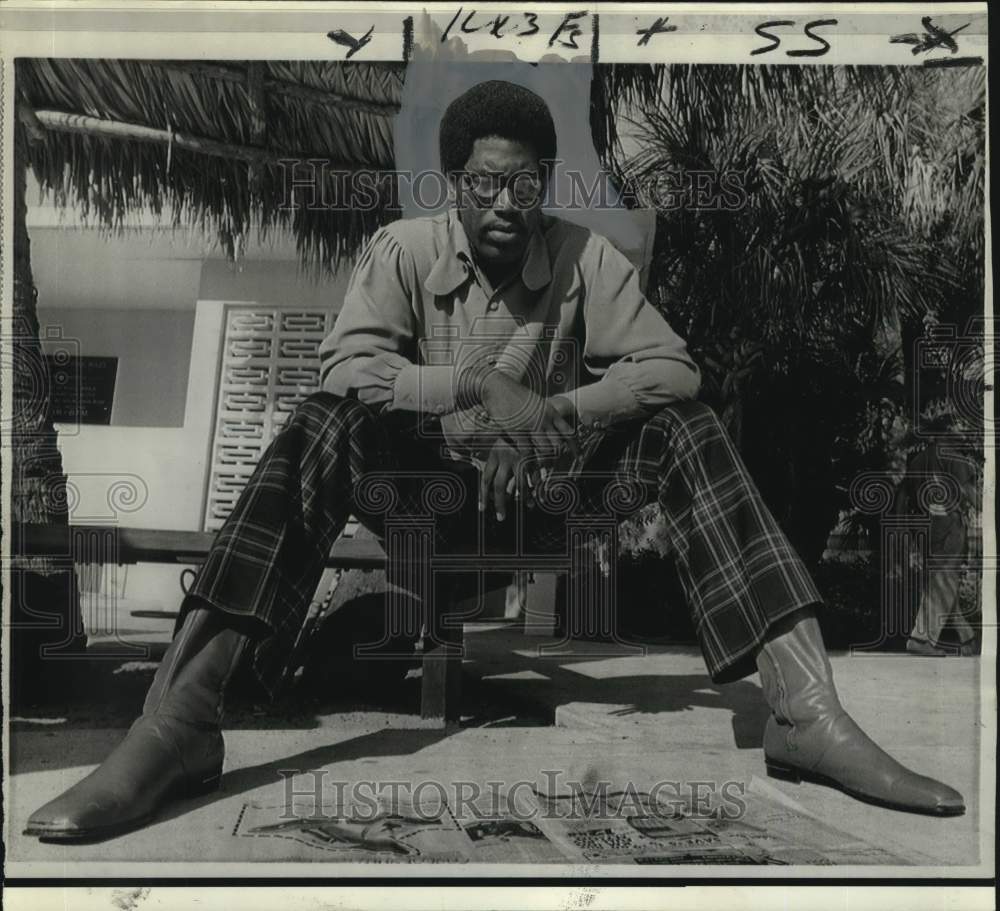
440 694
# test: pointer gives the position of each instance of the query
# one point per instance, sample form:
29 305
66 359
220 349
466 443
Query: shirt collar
536 272
454 265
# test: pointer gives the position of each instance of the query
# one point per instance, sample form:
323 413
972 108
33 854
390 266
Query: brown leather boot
174 749
810 737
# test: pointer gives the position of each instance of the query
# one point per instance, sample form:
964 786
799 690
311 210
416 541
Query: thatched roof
205 141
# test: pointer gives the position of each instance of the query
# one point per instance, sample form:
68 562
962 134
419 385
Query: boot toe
928 795
75 814
49 819
839 753
159 759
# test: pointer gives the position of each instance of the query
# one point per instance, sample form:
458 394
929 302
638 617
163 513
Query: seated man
476 325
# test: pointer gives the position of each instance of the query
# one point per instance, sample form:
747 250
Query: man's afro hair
495 108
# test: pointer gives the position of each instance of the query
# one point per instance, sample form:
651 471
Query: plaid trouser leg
739 571
266 561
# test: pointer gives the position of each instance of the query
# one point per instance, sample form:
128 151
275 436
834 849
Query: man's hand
506 471
565 409
530 421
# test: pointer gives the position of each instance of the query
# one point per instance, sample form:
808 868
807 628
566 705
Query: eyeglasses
523 187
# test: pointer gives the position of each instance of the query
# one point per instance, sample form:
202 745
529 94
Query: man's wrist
475 382
564 405
469 431
493 380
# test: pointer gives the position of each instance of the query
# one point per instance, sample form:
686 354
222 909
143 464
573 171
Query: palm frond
306 110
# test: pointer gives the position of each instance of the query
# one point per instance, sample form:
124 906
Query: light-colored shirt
571 321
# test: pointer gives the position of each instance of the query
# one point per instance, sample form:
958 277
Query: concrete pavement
590 716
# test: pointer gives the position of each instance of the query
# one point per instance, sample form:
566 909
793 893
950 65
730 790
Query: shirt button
596 424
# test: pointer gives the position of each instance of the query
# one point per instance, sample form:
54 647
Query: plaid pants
335 458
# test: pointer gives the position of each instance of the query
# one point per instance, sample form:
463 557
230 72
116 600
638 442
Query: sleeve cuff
603 403
425 388
656 382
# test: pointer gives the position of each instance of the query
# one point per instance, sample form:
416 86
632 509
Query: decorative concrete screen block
270 364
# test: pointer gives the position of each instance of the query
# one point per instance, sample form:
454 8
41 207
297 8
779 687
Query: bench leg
441 675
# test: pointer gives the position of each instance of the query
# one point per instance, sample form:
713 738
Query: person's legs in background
940 605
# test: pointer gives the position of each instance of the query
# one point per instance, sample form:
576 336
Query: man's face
499 201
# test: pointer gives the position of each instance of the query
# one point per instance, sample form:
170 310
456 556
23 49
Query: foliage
859 212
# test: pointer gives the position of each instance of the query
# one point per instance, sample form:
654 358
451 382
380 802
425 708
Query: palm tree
44 605
859 210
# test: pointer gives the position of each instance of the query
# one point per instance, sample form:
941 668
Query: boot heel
782 772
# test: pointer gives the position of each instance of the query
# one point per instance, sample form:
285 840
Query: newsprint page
503 456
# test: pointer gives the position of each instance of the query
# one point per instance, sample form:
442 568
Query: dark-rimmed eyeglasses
524 188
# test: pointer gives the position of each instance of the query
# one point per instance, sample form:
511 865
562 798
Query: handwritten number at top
766 31
523 25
